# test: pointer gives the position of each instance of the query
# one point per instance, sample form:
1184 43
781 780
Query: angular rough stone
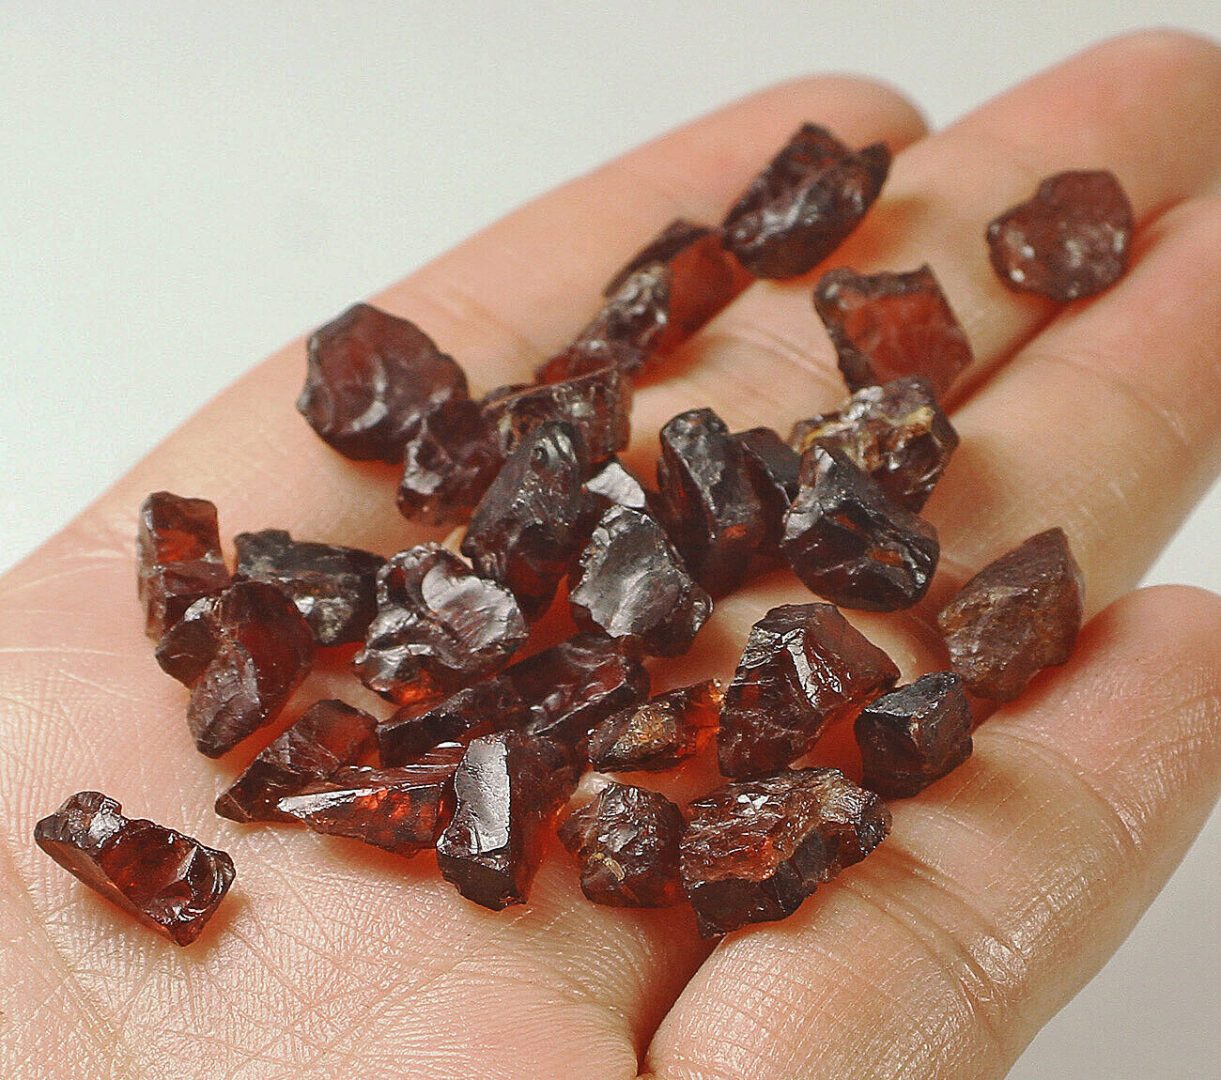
775 470
626 842
179 558
885 326
439 627
1015 617
659 733
401 810
327 737
753 851
708 500
524 530
804 666
168 881
450 458
334 587
587 355
807 201
632 583
612 485
508 789
242 653
914 735
896 433
853 545
1072 239
370 378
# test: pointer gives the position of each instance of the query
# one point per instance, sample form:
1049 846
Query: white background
185 186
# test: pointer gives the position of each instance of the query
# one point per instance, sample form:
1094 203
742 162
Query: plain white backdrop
185 186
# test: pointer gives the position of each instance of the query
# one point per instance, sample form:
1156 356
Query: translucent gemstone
659 733
775 469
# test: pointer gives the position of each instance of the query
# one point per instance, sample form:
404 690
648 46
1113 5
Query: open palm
1000 890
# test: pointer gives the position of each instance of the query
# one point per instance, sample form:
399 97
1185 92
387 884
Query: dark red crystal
914 735
450 458
587 355
179 558
659 733
1015 617
775 469
803 667
1070 240
168 881
327 737
626 842
753 851
853 545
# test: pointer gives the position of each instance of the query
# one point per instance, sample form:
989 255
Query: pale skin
1001 890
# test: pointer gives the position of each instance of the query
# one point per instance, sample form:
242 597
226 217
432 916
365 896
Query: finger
1000 891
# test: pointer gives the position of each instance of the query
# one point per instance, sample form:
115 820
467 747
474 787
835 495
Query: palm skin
1001 889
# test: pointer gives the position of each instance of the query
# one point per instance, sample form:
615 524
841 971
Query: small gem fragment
659 733
449 459
327 737
896 432
754 850
490 705
370 378
626 842
439 626
853 545
775 469
1015 617
167 880
1070 240
914 735
179 556
885 326
804 666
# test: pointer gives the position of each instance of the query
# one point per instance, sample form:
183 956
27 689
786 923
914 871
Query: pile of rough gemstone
484 749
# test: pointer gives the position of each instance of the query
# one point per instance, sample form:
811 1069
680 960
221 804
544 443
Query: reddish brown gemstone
658 733
1070 240
401 810
588 355
439 627
327 737
914 735
508 789
371 377
896 432
804 666
333 587
853 545
179 558
168 881
242 653
885 326
632 583
708 500
612 485
754 851
626 841
1015 617
806 202
775 469
449 460
524 531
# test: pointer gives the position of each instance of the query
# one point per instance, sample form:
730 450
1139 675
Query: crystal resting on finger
449 460
659 733
775 469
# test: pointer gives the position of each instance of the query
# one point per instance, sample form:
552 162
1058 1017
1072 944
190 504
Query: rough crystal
587 355
659 733
449 459
775 469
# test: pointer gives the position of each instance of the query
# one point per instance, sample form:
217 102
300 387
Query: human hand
1000 890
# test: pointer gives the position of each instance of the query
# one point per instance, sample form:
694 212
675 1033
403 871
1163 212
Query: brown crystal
1015 617
850 543
507 789
333 587
807 201
1070 240
626 842
775 470
885 326
370 378
179 558
914 735
401 810
587 355
168 881
896 433
659 733
753 851
242 653
439 627
803 667
327 737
